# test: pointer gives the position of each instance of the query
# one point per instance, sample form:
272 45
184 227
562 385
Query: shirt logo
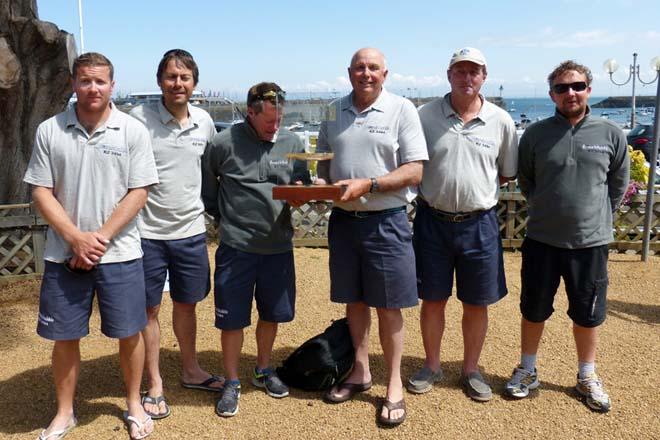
378 129
481 142
198 142
113 150
596 148
278 163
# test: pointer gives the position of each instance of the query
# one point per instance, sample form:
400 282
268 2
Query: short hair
181 56
92 59
570 65
265 91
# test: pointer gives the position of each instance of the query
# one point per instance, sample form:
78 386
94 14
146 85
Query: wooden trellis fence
22 231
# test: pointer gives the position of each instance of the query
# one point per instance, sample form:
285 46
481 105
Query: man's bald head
369 52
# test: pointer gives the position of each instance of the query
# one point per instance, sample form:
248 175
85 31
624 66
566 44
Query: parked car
641 138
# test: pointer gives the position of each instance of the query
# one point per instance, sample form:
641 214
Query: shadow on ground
648 313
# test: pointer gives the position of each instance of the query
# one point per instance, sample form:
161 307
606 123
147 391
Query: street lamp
610 67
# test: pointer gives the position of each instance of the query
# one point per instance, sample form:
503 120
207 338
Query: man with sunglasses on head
172 225
573 170
472 147
90 169
255 257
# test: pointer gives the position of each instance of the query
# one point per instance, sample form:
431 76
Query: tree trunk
35 84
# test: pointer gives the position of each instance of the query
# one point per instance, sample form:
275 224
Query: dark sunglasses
271 95
580 86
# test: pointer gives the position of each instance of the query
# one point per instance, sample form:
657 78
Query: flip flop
155 401
130 420
57 435
392 406
352 388
206 385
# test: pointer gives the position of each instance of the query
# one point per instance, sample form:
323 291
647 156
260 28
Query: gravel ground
628 357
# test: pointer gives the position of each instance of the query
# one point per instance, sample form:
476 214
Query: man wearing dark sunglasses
254 260
573 170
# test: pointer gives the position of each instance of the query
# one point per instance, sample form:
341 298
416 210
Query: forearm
54 213
126 210
408 174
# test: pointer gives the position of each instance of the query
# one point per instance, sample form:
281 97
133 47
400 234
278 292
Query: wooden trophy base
308 192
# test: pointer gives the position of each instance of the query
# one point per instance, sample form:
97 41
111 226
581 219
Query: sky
305 46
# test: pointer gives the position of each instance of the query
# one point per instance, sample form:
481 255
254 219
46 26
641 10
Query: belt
364 214
452 217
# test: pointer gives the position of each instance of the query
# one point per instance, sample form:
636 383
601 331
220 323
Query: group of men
125 203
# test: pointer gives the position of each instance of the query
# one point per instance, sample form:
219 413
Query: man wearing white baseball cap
473 148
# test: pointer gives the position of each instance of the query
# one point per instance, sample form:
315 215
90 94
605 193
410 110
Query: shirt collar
560 117
378 105
448 111
111 122
166 117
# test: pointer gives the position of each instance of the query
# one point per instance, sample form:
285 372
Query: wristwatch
374 185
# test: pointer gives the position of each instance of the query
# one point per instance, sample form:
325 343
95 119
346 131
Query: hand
355 188
76 263
89 247
320 181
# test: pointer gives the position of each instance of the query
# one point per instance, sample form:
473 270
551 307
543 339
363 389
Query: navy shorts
372 259
241 276
472 248
585 277
187 261
65 301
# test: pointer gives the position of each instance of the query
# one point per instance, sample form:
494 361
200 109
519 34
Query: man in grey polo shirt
254 260
472 148
574 171
378 147
172 226
90 169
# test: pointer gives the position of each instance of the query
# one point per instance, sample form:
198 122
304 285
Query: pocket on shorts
598 296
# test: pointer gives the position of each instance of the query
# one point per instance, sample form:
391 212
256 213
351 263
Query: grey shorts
372 259
65 301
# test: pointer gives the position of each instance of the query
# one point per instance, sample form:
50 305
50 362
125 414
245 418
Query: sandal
57 435
155 401
331 396
130 420
392 406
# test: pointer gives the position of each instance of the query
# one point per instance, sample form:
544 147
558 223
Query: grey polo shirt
466 160
239 173
90 175
174 209
372 143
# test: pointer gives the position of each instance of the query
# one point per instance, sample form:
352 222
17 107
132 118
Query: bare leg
586 339
530 336
432 324
232 343
390 330
266 332
359 322
131 360
151 335
66 369
475 326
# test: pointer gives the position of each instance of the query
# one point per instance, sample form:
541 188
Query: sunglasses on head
271 95
580 86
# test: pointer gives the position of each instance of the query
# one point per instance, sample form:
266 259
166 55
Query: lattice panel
16 255
311 220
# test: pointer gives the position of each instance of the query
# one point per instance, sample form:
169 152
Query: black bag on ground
322 361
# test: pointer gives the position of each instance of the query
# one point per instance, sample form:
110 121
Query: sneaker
270 381
591 388
227 405
521 382
476 387
423 380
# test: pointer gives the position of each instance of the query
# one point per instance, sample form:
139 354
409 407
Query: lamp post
610 67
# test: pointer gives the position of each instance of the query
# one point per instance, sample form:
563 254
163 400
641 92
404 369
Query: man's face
367 73
466 78
267 122
93 88
570 103
176 83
